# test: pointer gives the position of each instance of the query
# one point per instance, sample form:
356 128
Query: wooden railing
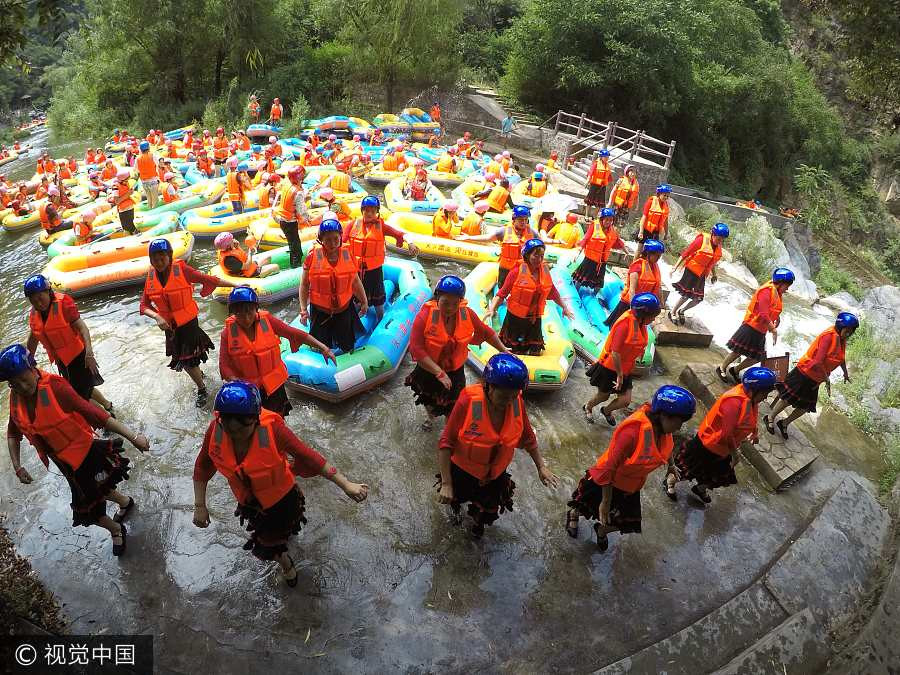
591 135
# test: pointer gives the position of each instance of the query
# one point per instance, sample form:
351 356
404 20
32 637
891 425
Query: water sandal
610 420
588 415
602 539
768 424
702 494
782 428
122 513
119 549
572 523
721 374
669 489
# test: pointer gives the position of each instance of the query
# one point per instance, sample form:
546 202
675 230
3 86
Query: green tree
408 41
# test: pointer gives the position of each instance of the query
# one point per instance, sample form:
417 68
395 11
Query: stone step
793 646
693 333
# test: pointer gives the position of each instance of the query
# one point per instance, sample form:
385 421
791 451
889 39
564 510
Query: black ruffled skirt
747 341
691 286
432 394
522 336
486 502
799 390
104 467
624 508
80 376
270 529
590 273
693 461
188 346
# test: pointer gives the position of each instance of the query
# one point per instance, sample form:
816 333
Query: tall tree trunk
390 82
220 59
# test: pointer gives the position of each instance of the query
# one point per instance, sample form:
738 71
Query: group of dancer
250 444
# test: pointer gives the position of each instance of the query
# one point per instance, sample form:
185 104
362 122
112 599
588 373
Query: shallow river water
388 585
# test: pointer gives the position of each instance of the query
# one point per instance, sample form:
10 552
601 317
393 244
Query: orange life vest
203 165
241 255
482 451
169 193
389 162
146 166
367 244
82 230
243 142
220 148
124 190
235 186
101 157
704 259
649 281
635 343
257 360
498 198
445 163
72 165
174 301
49 166
265 472
448 351
601 172
658 215
724 441
287 209
442 224
108 173
600 243
276 112
536 188
493 167
752 317
819 372
511 246
62 342
471 224
67 435
46 222
331 286
529 295
340 182
64 172
505 164
626 193
253 107
646 457
265 198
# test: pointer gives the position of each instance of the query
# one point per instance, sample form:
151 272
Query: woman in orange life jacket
168 299
251 447
528 287
644 276
275 112
237 184
339 210
147 172
50 213
83 227
123 201
417 188
253 109
762 316
446 218
236 262
109 170
329 283
511 238
655 219
487 424
800 388
473 224
597 244
95 185
289 211
366 239
55 323
270 190
167 188
439 344
59 424
250 348
610 491
624 195
710 456
220 150
625 344
476 150
598 177
699 261
63 170
497 195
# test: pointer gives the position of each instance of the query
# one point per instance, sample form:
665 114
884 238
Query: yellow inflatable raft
546 372
14 223
111 264
521 199
396 202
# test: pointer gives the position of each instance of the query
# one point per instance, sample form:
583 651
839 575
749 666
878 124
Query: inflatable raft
587 331
205 222
519 197
547 372
190 197
463 196
65 243
14 223
392 125
275 287
108 265
263 131
378 352
395 201
420 122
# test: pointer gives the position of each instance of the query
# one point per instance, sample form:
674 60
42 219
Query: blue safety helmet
538 175
452 285
330 225
532 244
604 153
506 371
645 302
144 146
14 360
673 400
843 320
721 230
654 246
238 398
758 379
521 212
370 200
243 166
161 246
608 212
663 188
35 284
243 294
782 275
